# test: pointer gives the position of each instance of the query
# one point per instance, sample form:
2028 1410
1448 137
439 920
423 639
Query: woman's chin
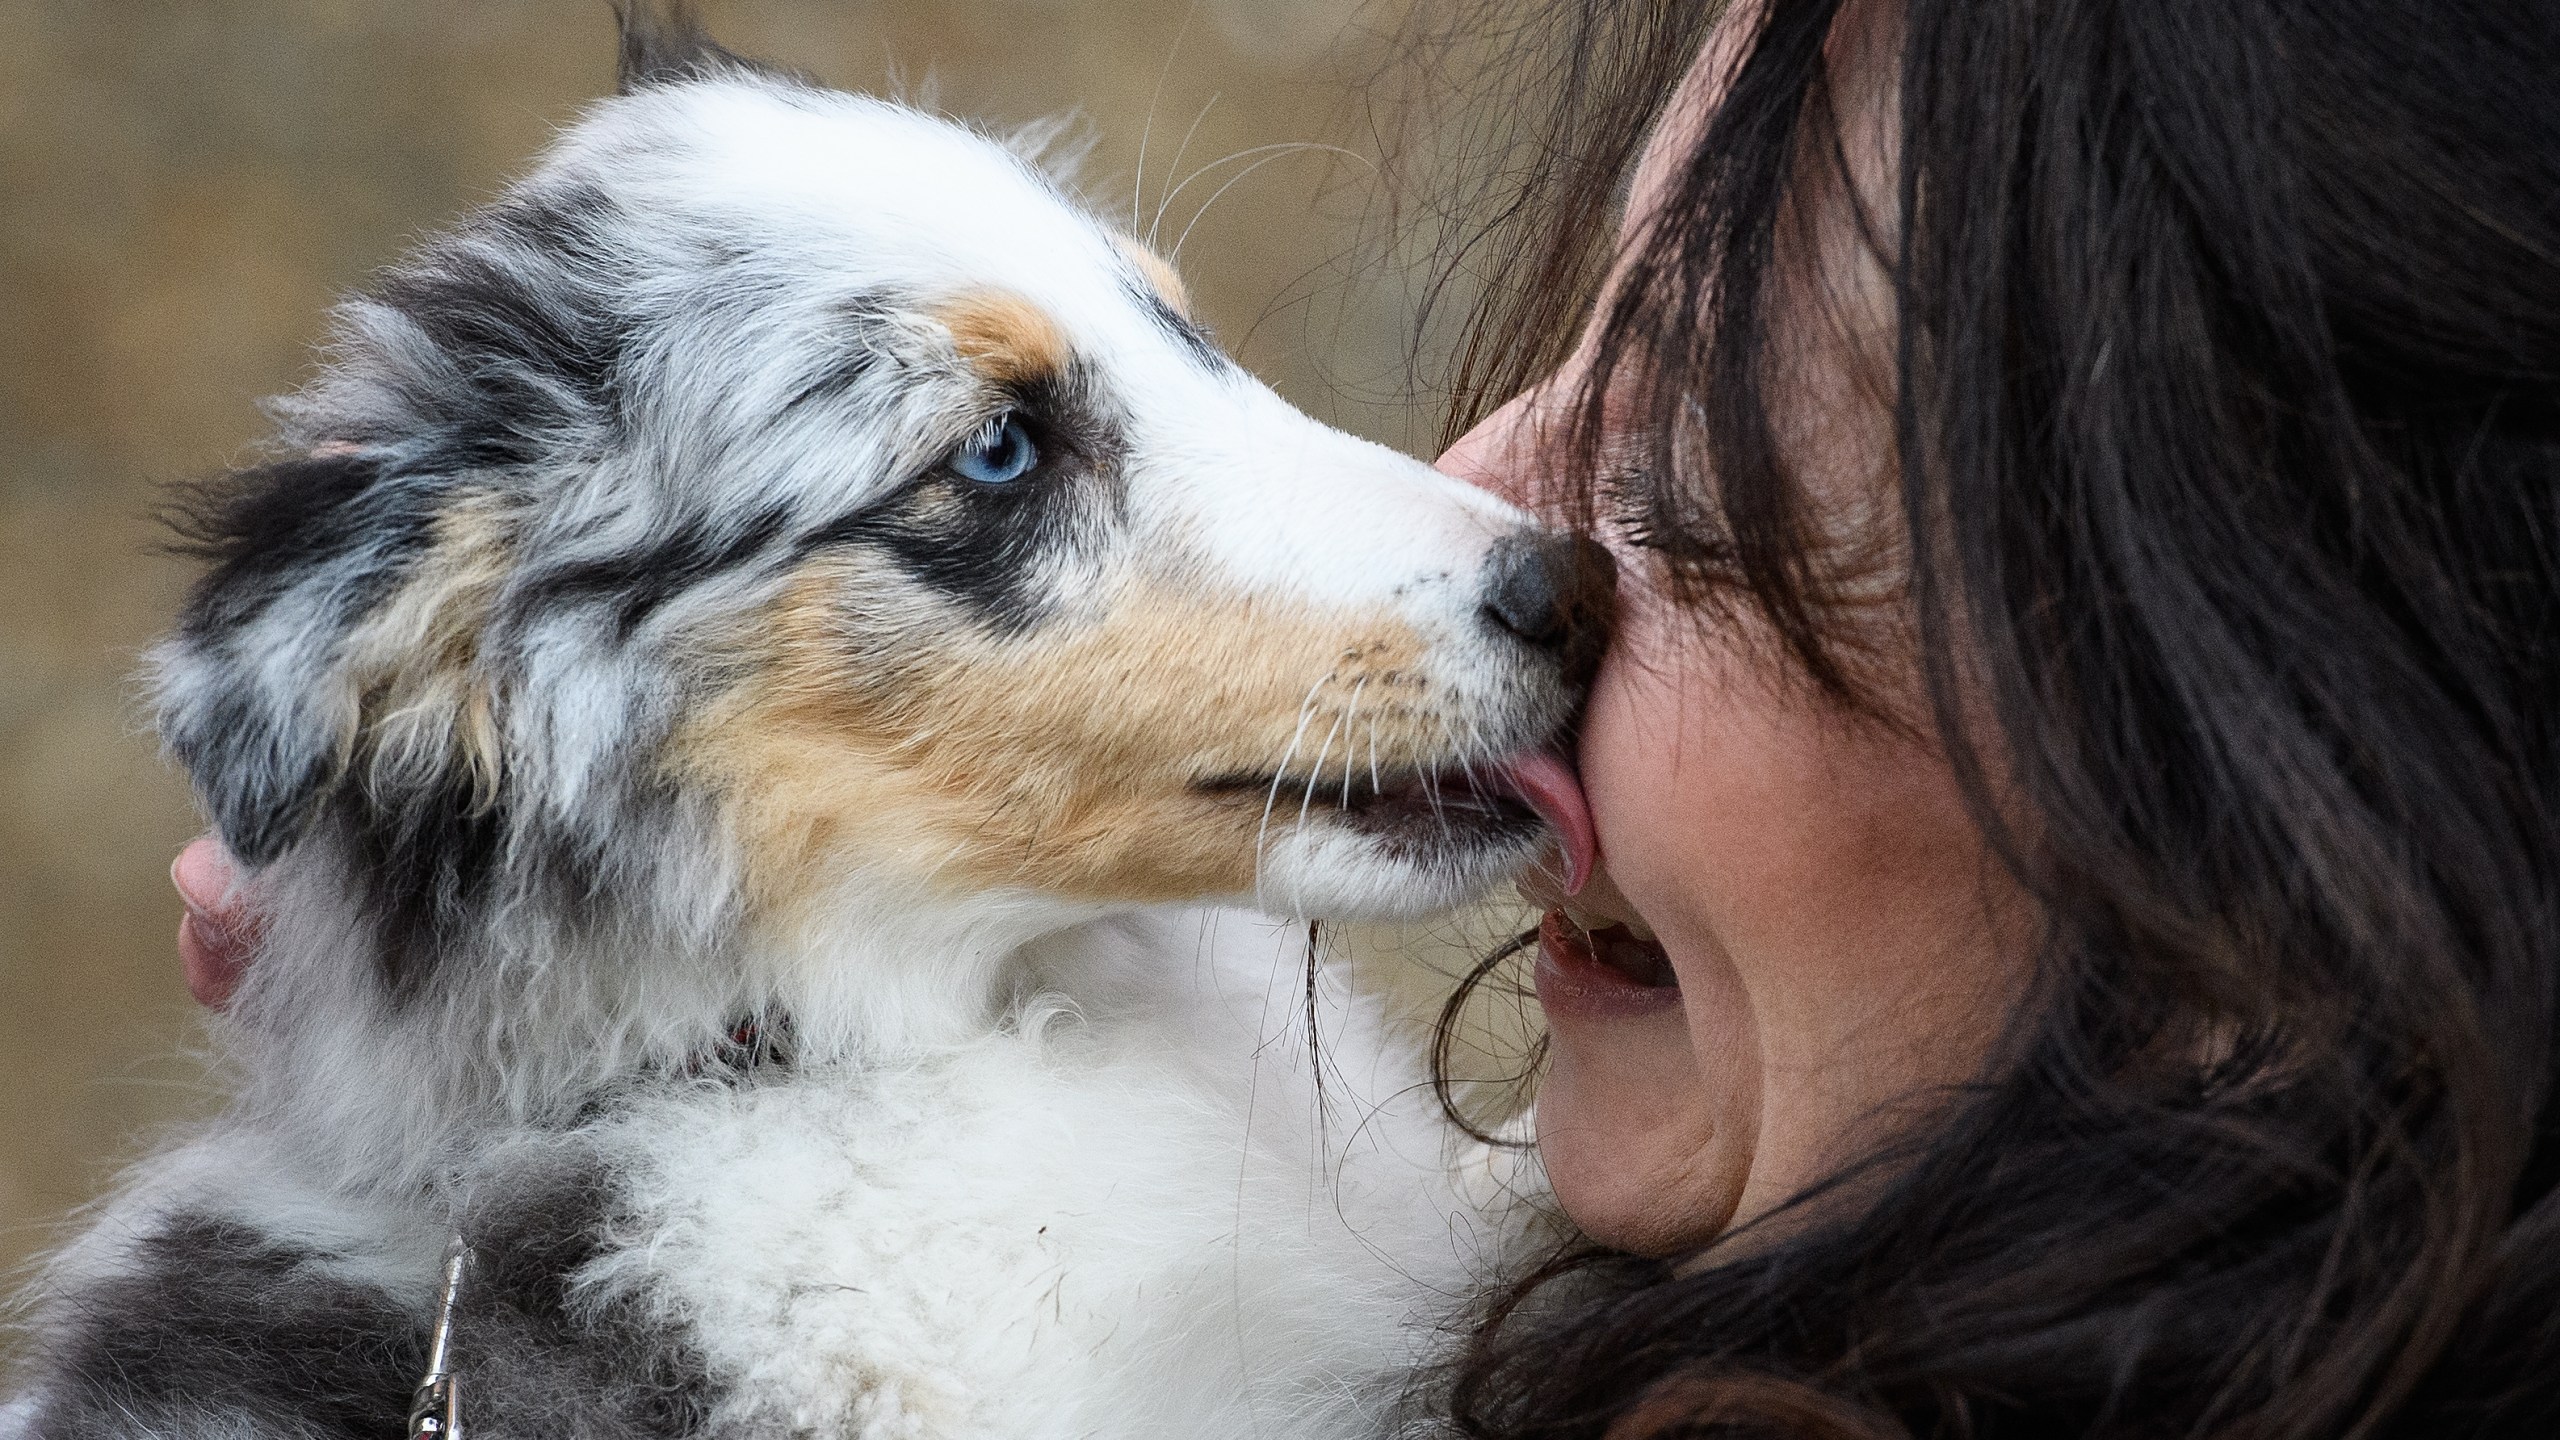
1645 1184
1644 1153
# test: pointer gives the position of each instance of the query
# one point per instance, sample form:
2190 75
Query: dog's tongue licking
1543 779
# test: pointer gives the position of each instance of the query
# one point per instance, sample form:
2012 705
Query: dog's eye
1000 453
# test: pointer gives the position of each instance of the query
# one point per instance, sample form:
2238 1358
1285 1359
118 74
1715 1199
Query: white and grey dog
768 640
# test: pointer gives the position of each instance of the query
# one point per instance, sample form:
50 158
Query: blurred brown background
188 182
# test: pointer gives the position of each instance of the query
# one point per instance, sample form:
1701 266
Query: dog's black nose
1555 592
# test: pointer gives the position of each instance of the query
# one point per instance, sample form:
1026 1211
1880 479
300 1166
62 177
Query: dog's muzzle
1555 593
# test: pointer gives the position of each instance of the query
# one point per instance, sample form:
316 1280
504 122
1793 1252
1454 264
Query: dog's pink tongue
1549 785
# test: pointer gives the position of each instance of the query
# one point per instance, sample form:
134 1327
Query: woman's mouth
1608 970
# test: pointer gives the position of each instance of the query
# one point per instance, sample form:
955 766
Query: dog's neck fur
394 1088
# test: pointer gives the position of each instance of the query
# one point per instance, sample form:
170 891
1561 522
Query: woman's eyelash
1633 505
1627 506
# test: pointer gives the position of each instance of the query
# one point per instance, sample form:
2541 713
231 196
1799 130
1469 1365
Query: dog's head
782 494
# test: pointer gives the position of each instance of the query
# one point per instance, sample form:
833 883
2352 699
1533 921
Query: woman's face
1795 935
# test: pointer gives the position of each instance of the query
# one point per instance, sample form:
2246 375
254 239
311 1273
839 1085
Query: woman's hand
219 933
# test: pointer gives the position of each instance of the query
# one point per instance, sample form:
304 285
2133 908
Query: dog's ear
346 586
663 43
255 695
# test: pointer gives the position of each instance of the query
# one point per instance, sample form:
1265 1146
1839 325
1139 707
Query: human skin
1844 946
217 933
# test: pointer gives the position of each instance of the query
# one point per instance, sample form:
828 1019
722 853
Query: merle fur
544 1362
216 1322
635 584
265 531
518 310
425 862
261 529
840 377
525 316
524 307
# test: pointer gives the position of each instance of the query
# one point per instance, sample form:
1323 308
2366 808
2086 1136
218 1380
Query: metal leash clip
435 1409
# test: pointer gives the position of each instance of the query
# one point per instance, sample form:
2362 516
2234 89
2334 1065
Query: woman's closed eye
1635 508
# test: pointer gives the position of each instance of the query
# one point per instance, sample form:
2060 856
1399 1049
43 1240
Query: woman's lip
1572 979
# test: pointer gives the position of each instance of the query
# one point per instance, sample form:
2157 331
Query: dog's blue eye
1000 453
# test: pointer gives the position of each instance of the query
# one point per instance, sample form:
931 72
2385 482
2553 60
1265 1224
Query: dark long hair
2227 395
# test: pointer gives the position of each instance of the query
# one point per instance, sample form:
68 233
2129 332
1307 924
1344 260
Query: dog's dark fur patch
262 528
219 1322
429 859
426 858
1189 333
638 582
861 313
521 305
544 1363
266 531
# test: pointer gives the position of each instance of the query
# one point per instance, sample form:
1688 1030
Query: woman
2075 950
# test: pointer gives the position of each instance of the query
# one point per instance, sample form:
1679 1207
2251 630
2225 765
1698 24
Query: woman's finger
215 937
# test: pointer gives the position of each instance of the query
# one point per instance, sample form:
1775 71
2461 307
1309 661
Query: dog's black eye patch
993 548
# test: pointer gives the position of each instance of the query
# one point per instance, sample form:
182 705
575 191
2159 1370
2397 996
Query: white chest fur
1148 1224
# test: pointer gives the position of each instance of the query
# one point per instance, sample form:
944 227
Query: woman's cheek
1649 1121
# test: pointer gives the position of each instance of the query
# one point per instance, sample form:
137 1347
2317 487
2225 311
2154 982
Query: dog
764 665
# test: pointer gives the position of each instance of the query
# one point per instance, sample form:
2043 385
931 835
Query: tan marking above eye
1159 275
1005 338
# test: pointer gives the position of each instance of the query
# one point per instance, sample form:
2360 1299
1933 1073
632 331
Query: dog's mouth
1460 803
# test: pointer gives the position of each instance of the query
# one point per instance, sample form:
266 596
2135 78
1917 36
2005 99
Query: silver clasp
435 1410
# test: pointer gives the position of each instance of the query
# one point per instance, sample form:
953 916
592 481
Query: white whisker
1138 188
1211 167
1155 222
1439 812
1350 748
1197 215
1315 772
1280 772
